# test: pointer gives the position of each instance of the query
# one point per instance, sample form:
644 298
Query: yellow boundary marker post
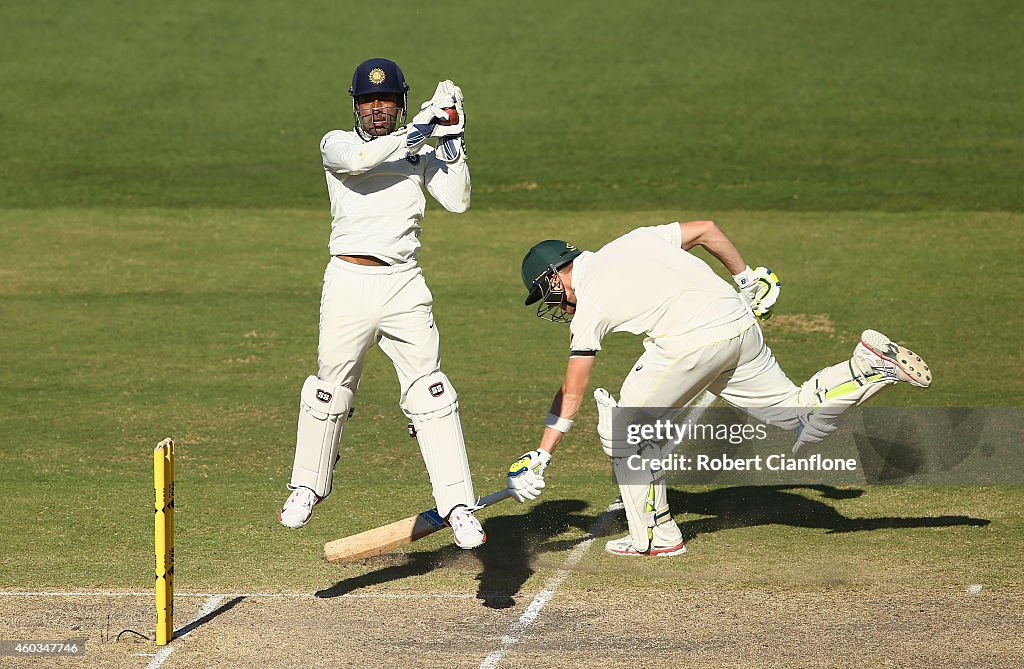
163 484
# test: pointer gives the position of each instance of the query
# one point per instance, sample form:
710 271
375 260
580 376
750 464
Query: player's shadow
513 543
749 506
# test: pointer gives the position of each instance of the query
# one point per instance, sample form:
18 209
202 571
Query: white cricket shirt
645 283
377 197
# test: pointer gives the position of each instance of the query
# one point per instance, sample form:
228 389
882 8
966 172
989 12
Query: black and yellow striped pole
163 483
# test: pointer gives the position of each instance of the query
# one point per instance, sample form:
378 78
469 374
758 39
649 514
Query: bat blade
393 535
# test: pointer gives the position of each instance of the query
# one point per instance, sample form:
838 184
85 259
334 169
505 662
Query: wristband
558 423
745 278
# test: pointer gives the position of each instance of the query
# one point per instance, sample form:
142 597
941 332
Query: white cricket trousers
391 306
741 370
364 305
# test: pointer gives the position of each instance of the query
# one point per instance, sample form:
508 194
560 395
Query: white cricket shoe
624 546
468 531
298 508
895 361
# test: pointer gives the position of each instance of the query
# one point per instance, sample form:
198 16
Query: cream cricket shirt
645 283
377 198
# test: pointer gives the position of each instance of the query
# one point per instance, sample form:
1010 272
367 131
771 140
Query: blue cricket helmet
379 75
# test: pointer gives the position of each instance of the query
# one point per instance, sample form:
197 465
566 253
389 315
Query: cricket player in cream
374 291
701 334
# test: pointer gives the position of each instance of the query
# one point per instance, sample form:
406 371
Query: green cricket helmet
540 267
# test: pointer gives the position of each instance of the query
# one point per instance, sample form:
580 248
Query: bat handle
494 498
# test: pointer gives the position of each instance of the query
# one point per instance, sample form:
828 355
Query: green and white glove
526 475
760 287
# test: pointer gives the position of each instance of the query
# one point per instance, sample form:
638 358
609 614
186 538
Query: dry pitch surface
624 626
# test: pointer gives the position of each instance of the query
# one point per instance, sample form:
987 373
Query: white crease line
209 607
160 657
518 627
547 594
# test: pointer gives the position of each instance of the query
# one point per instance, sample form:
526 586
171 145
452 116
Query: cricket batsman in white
701 334
374 291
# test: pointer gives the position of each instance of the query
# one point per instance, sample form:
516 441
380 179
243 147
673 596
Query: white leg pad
647 512
832 391
433 407
606 405
665 531
638 499
324 409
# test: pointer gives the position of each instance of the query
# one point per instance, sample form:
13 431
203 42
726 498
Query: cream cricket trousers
741 370
365 305
391 306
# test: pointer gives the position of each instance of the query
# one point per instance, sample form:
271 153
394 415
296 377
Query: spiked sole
910 367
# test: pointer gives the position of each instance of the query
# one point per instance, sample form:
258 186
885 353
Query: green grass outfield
711 104
163 230
123 326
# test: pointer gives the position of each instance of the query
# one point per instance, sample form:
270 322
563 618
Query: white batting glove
760 287
451 143
448 96
526 475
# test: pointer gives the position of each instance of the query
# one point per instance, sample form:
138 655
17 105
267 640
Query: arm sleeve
587 329
670 232
344 153
449 183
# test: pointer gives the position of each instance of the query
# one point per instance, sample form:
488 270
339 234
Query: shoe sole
455 536
483 540
657 552
294 527
909 365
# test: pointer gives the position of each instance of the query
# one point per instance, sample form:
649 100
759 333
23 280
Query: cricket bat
399 533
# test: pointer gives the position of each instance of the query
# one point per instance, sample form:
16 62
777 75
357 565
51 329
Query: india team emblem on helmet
377 76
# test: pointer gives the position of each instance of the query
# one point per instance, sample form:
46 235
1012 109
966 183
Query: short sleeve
587 329
669 232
